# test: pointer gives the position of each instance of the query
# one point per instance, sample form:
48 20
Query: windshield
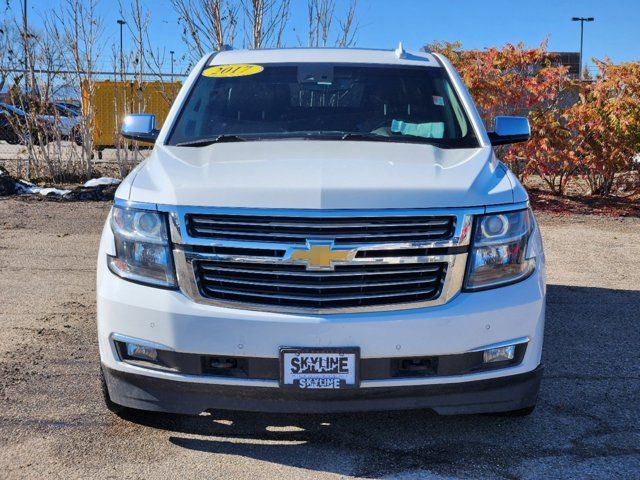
325 101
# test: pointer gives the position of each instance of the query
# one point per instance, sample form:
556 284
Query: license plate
313 368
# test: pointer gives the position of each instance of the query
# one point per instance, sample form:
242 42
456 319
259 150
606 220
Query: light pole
581 20
26 47
121 23
171 52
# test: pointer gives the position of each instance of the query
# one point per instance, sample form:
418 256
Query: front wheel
111 405
76 136
522 412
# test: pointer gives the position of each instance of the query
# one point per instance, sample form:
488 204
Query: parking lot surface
53 423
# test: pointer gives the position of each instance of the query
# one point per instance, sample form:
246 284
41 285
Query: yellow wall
112 100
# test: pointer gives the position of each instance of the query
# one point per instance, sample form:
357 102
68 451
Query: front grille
348 286
342 230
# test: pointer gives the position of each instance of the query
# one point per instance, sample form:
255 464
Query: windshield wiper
203 142
441 143
366 136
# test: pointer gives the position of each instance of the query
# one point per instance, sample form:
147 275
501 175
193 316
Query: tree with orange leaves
512 80
606 124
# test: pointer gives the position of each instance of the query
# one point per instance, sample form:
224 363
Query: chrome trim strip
431 279
121 202
145 343
317 273
427 223
445 379
506 208
322 213
315 236
506 343
191 378
337 297
461 236
389 382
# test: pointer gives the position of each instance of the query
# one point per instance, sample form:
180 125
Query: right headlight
143 250
499 250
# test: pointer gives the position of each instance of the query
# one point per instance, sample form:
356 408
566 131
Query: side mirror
141 127
510 130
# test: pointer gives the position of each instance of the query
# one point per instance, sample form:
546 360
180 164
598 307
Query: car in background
12 119
62 120
72 107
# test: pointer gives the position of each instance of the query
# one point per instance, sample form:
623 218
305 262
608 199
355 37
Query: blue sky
478 24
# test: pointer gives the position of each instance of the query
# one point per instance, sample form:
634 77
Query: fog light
141 352
499 354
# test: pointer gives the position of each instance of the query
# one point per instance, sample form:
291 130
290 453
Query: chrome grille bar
321 274
326 298
360 230
309 286
229 233
304 223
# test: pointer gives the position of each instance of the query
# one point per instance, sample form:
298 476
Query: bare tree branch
207 24
320 21
264 22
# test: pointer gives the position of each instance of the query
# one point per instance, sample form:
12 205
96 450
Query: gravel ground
53 423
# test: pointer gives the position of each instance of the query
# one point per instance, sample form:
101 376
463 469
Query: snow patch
94 182
23 187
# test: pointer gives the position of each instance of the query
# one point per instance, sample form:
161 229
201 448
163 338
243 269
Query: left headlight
499 251
143 252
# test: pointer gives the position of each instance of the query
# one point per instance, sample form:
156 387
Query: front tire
522 412
76 137
110 404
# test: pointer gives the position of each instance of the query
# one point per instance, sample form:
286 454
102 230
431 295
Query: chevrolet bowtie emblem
320 255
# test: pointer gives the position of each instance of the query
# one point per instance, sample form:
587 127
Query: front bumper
485 396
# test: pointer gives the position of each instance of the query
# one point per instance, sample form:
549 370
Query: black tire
76 136
521 412
128 413
111 406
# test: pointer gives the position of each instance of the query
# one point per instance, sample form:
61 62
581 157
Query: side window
457 109
190 123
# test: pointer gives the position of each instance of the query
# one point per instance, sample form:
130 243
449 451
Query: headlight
143 252
499 253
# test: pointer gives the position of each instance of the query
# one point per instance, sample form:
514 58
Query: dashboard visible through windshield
324 101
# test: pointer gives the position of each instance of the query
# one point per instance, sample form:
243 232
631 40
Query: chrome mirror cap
140 127
510 130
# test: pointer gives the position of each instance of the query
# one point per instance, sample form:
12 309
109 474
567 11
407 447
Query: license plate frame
324 351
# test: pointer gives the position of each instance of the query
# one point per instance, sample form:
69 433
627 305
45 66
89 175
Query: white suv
322 230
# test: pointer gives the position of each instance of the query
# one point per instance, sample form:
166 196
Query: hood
320 175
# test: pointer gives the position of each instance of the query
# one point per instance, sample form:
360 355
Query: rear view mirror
510 130
141 127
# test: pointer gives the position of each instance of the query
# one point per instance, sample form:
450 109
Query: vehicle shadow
587 411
